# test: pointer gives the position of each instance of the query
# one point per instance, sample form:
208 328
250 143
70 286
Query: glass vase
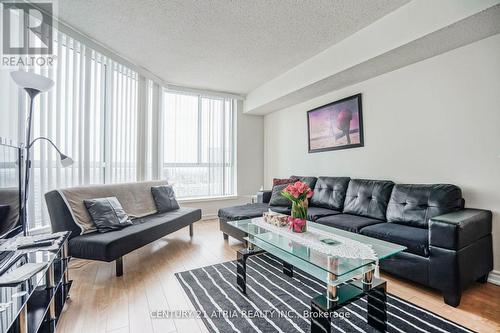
298 219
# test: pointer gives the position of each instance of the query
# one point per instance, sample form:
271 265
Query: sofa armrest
458 229
60 215
264 196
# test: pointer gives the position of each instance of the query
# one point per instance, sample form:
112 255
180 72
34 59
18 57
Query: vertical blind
96 128
9 104
118 127
122 155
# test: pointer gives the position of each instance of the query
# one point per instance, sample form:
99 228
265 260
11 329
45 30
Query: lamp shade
66 161
33 81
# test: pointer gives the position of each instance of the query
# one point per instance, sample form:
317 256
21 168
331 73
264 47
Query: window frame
227 163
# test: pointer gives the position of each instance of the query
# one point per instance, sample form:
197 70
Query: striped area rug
278 303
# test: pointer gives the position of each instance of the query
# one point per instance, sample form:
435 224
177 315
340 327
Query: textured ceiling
224 45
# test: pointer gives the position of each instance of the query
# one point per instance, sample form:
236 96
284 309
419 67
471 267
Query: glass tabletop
315 252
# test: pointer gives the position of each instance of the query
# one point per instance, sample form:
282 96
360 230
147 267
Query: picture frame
336 125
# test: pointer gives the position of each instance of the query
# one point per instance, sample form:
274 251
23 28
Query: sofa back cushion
330 192
136 199
414 205
368 197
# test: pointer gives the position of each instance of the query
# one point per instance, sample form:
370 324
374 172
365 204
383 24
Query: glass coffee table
348 274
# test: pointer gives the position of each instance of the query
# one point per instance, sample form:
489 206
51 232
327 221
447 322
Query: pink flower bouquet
298 193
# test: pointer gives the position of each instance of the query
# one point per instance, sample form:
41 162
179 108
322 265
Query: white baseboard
209 216
494 277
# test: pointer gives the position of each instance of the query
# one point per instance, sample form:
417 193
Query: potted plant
298 193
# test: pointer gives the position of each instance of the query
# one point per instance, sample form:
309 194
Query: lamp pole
33 84
32 94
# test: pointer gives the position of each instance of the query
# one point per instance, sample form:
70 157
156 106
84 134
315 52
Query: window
118 126
91 115
198 144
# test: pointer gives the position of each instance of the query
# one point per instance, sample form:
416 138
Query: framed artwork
338 125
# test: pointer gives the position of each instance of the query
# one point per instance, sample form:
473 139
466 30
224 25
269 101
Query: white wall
209 208
250 146
434 121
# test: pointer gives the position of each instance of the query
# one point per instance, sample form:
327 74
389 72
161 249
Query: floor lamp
33 84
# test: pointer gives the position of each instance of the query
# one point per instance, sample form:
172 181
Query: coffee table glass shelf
347 277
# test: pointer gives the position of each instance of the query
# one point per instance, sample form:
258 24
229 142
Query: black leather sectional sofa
448 246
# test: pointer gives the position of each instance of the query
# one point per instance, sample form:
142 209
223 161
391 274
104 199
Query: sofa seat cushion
352 223
314 213
243 212
415 239
112 245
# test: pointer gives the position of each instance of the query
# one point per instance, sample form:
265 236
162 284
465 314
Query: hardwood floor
101 302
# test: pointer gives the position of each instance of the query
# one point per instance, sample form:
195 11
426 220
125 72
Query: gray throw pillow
164 197
107 214
277 199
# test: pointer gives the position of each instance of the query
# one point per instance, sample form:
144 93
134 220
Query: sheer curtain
90 114
197 138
